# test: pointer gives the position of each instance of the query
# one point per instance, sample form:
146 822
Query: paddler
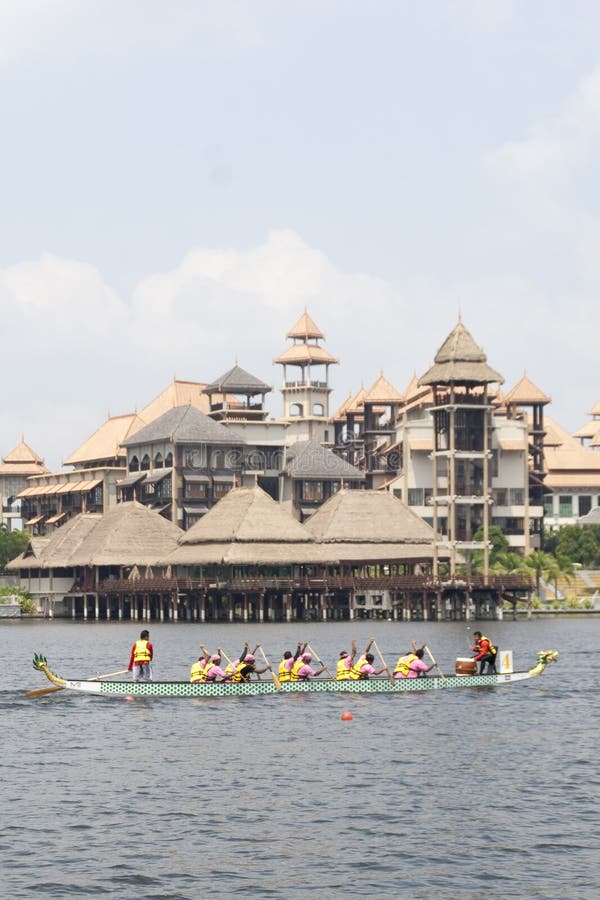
363 668
411 665
246 667
285 666
213 668
302 669
232 666
140 661
198 670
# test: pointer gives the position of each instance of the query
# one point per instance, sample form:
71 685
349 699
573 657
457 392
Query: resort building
15 469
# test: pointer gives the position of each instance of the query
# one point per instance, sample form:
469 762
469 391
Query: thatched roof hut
247 526
364 525
130 534
460 361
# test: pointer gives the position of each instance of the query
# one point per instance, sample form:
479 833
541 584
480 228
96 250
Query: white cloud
77 349
557 147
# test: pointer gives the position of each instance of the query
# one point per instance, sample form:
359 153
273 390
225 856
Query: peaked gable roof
525 392
305 328
381 391
178 393
460 360
246 515
184 425
368 517
237 381
309 459
105 443
23 453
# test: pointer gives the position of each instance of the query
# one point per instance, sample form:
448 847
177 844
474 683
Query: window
312 490
585 504
565 505
318 409
220 488
548 505
516 497
158 461
134 464
169 460
500 496
145 463
296 409
415 496
195 489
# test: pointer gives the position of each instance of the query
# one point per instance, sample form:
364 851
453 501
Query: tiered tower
462 414
306 388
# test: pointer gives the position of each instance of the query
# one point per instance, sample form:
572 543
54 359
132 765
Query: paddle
381 657
276 680
433 661
318 658
108 675
47 690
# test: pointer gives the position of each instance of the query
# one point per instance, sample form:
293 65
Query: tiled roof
341 413
178 393
556 435
23 453
356 405
309 459
305 353
105 442
595 410
184 425
589 430
382 392
305 328
237 381
526 392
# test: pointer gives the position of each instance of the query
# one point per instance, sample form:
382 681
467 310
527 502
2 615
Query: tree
580 544
538 561
11 544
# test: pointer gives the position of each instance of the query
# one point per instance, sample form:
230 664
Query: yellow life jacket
198 671
403 664
141 652
284 673
355 672
343 672
493 650
237 675
296 668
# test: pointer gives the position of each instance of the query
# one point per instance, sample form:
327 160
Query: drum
465 666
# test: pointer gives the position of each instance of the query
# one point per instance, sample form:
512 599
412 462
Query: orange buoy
346 716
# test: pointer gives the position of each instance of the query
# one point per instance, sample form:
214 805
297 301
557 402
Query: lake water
466 794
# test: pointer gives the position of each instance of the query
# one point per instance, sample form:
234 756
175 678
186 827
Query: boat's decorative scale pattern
319 685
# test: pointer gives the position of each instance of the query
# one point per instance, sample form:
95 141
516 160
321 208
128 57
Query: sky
179 181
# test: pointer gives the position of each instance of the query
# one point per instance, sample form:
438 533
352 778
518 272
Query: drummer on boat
485 653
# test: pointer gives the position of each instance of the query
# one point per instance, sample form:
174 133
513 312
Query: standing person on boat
287 662
140 661
363 668
411 665
485 653
302 669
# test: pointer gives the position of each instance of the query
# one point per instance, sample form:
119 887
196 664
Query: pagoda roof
341 413
460 360
589 430
184 425
237 381
305 328
525 392
23 453
357 404
309 459
595 410
299 354
382 392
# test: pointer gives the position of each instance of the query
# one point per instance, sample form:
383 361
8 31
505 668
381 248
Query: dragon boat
375 685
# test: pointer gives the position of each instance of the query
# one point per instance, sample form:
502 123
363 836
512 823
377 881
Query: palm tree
538 561
559 566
